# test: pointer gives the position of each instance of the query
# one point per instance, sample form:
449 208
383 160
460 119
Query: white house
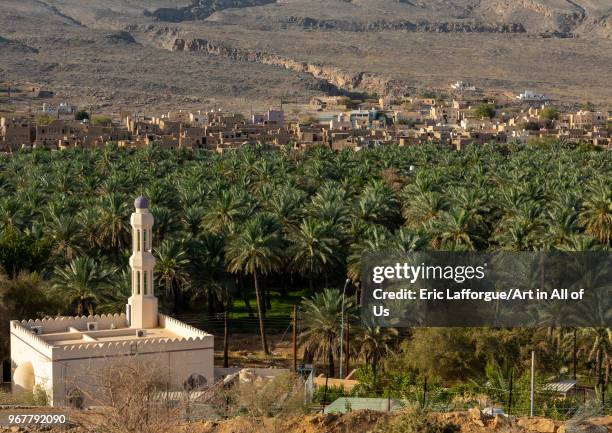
528 95
57 354
463 86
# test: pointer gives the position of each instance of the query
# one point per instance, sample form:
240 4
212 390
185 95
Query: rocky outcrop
15 47
338 81
202 9
121 37
408 26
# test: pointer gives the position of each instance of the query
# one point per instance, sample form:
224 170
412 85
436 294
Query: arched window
144 240
137 240
138 282
144 284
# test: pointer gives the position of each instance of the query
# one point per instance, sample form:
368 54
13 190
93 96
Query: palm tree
65 235
113 228
165 225
457 231
600 353
376 240
285 205
192 218
321 318
228 207
424 209
313 249
255 250
82 283
11 214
596 215
171 270
117 293
374 343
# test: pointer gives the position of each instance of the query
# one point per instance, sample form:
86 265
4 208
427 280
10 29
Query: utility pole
532 390
225 342
575 356
346 283
348 343
295 338
325 391
510 394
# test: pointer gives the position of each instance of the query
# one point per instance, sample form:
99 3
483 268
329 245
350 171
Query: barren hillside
187 52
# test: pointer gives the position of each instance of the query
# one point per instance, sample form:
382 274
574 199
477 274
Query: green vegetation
550 113
271 228
81 115
587 106
416 421
43 119
485 111
101 120
309 120
408 122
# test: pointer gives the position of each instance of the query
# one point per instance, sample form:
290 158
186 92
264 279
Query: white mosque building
54 354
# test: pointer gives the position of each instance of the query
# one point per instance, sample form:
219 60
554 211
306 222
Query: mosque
56 354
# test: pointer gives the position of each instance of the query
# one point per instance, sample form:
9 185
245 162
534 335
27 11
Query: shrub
40 396
101 120
550 113
43 119
485 110
81 115
416 421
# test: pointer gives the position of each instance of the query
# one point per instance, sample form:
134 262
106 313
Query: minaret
142 305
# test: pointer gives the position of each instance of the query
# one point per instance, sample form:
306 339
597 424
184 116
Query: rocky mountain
138 53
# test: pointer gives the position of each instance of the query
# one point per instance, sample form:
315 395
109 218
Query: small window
145 287
137 240
138 282
144 240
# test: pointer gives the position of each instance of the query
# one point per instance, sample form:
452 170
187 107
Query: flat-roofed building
59 354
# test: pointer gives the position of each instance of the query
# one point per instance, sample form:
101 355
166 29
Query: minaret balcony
142 260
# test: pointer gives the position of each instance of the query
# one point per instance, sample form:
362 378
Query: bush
43 119
550 113
408 122
81 115
485 110
587 106
40 396
101 120
416 421
333 394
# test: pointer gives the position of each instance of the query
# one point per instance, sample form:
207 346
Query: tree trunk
177 300
245 297
225 341
575 354
262 331
210 302
268 298
330 359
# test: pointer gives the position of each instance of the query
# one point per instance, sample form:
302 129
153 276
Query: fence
440 399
